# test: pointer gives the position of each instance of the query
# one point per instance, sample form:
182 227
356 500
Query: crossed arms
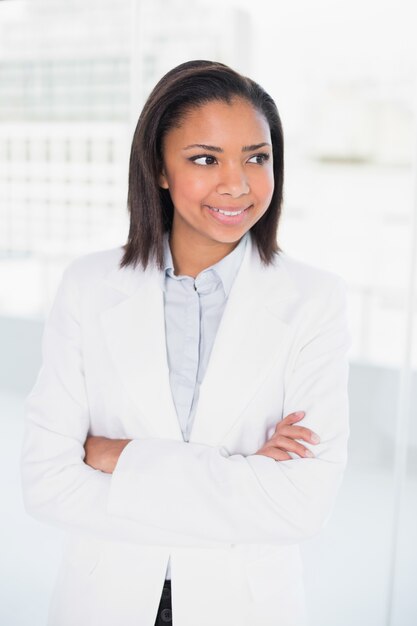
102 453
168 492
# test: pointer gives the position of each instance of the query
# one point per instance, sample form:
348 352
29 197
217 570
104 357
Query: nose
233 181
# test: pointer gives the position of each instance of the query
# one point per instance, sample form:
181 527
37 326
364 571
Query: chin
228 237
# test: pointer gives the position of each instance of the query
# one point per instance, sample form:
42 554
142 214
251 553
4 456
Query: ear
162 180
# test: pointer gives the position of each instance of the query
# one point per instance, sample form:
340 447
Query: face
218 169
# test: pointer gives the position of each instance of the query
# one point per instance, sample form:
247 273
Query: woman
155 433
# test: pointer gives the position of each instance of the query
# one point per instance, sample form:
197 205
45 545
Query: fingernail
300 413
309 454
315 438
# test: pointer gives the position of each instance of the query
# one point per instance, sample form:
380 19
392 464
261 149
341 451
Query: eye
261 158
206 159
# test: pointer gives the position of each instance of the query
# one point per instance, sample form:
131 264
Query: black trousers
164 616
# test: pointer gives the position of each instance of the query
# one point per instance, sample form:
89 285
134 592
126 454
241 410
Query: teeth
230 212
227 212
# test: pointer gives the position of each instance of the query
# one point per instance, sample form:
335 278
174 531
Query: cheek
265 185
187 186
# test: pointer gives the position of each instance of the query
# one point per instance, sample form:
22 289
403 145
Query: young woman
163 431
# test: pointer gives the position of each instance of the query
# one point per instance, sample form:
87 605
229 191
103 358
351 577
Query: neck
191 257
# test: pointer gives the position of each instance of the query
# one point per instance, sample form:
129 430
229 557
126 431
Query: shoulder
85 276
320 303
88 273
95 265
309 279
98 277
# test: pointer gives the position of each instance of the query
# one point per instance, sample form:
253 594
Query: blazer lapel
135 335
251 336
251 332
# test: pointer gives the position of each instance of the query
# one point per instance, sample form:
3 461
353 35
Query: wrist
117 447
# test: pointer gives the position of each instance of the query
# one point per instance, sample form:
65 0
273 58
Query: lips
229 217
229 210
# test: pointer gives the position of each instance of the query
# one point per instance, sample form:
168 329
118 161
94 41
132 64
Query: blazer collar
130 279
225 269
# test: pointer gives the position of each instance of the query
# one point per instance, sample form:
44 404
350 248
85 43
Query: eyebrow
250 148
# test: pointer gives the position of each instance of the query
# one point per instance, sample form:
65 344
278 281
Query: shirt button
166 592
166 615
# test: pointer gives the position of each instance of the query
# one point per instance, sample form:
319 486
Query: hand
283 439
102 453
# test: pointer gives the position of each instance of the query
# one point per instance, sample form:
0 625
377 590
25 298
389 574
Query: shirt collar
226 269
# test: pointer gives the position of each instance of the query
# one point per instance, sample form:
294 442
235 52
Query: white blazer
230 520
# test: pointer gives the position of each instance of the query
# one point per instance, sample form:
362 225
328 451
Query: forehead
239 120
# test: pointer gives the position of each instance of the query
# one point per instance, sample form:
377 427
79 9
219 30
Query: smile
229 213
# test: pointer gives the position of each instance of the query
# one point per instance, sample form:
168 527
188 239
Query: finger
291 446
291 418
299 432
275 453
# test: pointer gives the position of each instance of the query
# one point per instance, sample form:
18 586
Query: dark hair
183 88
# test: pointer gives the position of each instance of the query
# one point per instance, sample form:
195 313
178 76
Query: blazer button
166 592
166 615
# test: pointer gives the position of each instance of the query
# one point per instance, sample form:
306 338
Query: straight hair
182 89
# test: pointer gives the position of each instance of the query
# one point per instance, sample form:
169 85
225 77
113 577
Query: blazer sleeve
58 487
204 492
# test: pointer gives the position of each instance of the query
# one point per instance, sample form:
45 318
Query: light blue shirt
193 310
